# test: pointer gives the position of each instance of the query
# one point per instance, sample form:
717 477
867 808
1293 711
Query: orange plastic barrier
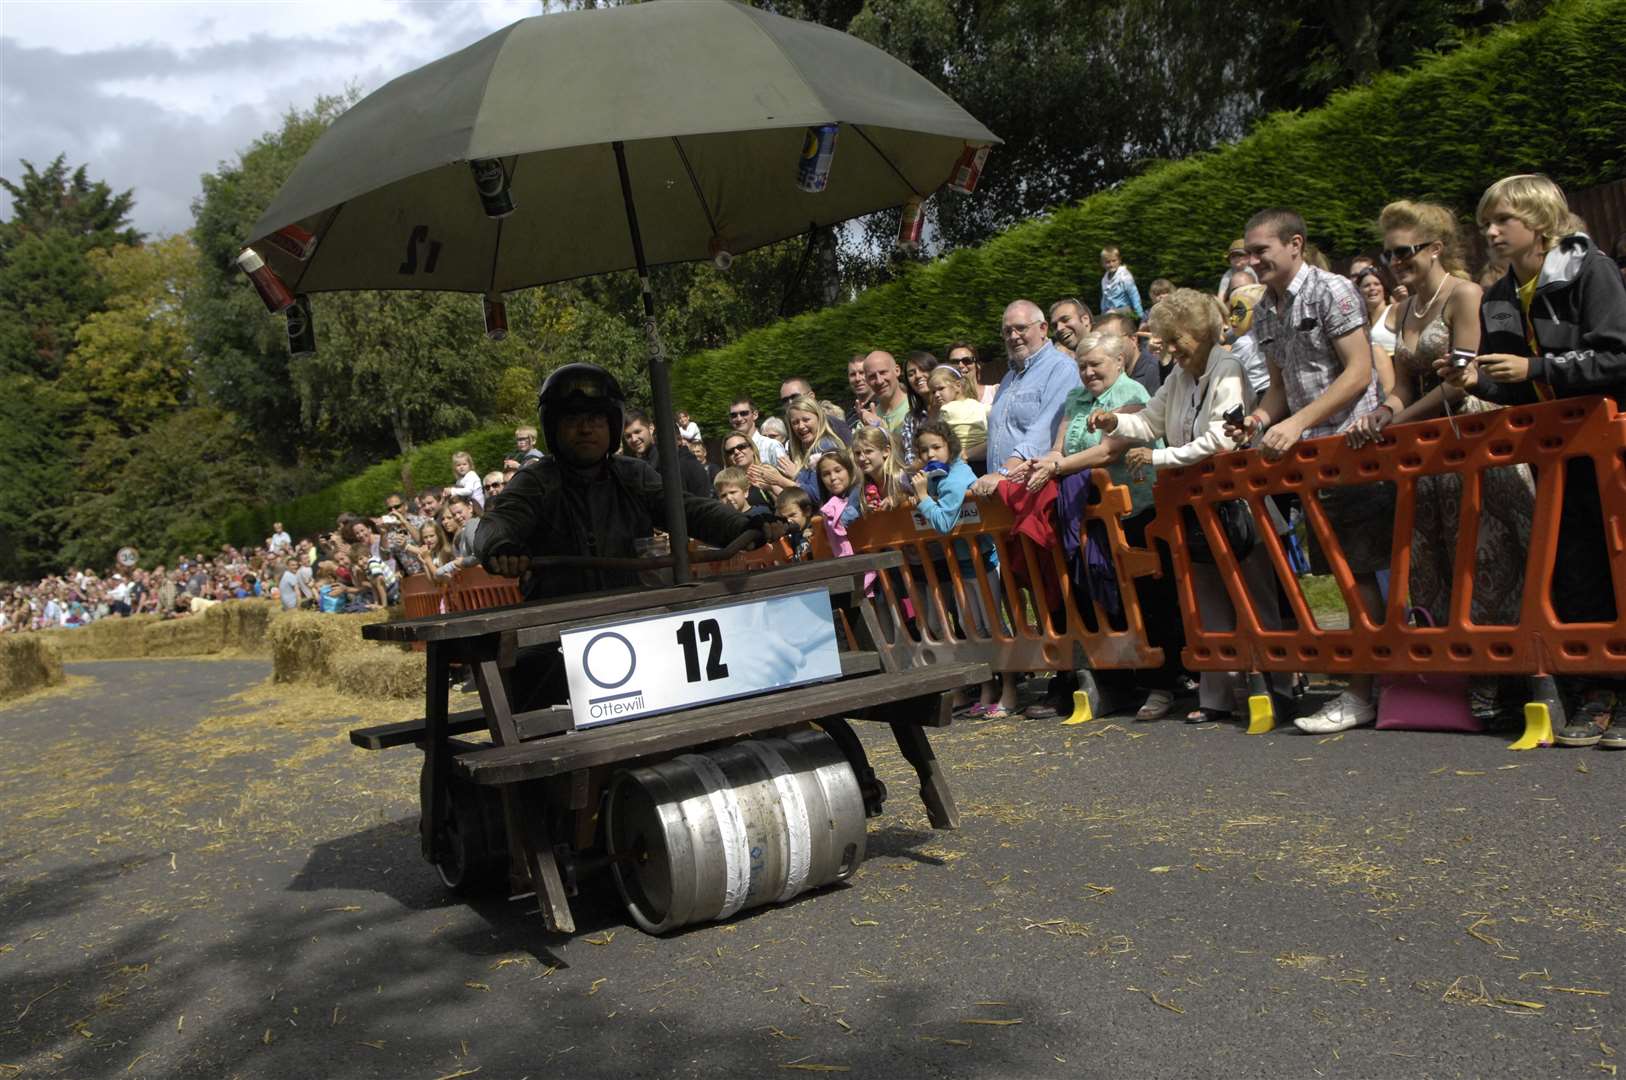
1543 436
421 595
1021 633
473 589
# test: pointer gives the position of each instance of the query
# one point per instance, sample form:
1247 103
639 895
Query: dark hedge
1546 96
365 492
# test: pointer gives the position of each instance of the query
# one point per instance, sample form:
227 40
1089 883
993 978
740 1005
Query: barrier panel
473 589
1543 436
972 615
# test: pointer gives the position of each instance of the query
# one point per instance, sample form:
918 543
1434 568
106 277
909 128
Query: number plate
662 663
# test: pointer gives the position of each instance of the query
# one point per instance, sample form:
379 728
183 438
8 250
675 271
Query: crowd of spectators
1285 349
358 565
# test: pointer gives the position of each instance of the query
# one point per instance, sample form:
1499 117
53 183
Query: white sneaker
1340 714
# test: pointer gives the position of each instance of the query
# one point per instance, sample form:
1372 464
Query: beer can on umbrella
301 328
910 225
496 316
818 148
295 241
491 181
968 170
266 282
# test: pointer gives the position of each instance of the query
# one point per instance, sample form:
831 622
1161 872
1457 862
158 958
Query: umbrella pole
660 382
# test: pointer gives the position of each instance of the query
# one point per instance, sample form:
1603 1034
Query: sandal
1205 715
1157 706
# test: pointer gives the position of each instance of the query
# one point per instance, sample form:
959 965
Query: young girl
940 489
840 484
876 457
797 509
1118 289
965 415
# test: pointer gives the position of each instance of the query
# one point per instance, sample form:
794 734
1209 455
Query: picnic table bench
525 803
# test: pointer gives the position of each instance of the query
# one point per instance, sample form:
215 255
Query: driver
582 499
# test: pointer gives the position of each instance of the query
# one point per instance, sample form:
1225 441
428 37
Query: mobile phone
1234 417
1460 358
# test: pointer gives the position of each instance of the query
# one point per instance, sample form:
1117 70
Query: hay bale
381 672
105 639
249 621
194 635
305 644
30 661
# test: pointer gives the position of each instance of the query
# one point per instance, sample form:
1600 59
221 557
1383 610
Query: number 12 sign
662 663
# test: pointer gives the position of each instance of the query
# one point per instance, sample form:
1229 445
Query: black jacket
549 510
691 473
1579 312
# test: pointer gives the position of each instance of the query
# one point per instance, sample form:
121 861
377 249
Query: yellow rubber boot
1538 727
1081 709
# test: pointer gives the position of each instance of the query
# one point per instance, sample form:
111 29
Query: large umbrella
623 138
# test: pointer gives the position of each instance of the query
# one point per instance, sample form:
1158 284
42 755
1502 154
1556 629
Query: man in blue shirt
1027 405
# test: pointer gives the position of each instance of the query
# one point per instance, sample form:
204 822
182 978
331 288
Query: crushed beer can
266 282
491 181
293 240
818 148
301 328
496 316
911 224
968 170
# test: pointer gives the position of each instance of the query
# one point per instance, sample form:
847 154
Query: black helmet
579 388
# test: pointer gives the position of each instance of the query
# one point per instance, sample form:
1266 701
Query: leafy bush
365 493
1548 95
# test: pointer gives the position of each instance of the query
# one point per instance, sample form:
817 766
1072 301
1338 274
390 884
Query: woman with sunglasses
1441 318
739 452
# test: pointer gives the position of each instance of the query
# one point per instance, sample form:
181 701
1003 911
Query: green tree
132 360
242 354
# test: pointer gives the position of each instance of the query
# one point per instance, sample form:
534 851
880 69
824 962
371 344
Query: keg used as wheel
473 843
703 836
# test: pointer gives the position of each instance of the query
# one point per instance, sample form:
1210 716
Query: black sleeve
709 519
1598 364
511 517
695 480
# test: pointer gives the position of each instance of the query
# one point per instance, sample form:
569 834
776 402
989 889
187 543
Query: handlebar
749 539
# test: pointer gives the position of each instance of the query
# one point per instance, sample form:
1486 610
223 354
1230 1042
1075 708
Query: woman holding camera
1440 322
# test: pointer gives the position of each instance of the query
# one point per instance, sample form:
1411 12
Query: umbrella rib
694 182
895 170
305 267
496 249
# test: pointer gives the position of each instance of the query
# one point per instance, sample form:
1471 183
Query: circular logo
611 659
128 556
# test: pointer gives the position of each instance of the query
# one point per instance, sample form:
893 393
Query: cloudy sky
153 95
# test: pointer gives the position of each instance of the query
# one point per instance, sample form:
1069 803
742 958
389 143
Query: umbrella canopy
710 99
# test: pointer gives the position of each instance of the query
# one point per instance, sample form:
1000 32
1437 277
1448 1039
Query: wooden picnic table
547 775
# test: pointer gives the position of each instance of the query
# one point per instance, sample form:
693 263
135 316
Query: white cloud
151 96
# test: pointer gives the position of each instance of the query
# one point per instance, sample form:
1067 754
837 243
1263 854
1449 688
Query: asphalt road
197 884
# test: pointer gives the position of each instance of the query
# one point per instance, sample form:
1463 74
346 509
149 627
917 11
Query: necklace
1430 305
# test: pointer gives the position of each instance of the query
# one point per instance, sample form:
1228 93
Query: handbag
1237 521
1425 702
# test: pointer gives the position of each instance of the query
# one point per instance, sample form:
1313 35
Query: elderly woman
1080 446
1188 414
810 438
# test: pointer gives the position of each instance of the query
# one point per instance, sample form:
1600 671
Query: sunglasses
493 487
739 415
1405 251
736 448
787 399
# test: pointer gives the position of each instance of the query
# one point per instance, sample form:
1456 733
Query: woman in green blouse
1108 389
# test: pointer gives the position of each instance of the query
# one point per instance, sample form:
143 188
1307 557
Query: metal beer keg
703 836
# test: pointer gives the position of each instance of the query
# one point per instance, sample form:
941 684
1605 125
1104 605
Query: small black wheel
472 844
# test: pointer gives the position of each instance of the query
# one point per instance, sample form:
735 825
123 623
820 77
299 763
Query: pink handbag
1425 702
